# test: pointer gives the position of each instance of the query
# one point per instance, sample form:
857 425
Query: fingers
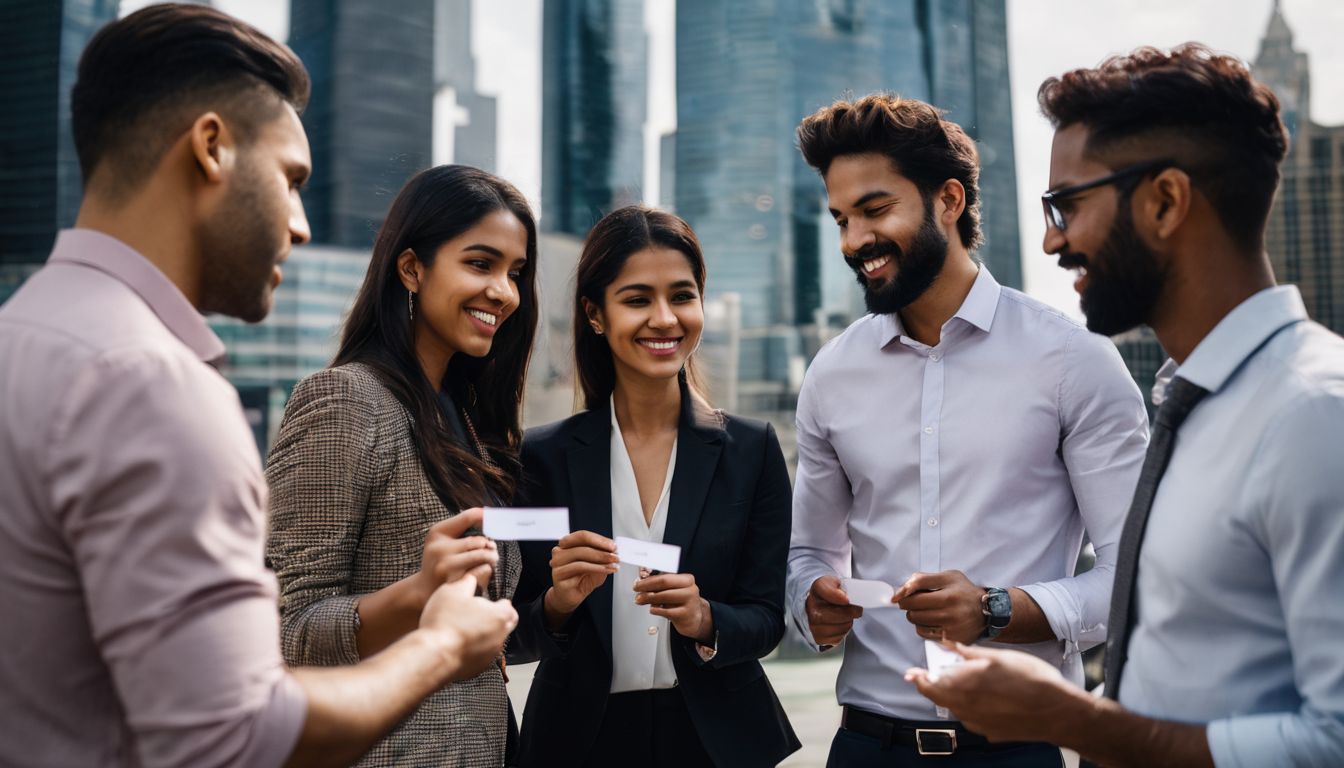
458 524
668 597
587 539
565 555
664 581
824 613
827 589
578 570
453 565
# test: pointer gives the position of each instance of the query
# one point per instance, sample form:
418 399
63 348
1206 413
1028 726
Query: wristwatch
997 606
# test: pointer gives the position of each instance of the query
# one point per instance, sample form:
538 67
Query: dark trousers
648 728
855 750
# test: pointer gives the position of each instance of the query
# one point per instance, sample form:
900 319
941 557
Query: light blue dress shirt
1240 594
989 453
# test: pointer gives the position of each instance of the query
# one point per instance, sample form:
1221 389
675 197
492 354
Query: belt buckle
944 742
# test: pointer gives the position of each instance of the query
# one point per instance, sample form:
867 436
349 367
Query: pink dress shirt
138 624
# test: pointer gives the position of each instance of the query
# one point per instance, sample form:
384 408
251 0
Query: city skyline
1045 38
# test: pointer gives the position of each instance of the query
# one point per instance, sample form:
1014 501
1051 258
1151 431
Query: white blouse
641 649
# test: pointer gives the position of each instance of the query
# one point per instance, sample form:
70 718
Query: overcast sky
1045 37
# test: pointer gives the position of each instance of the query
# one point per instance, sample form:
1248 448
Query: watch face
1000 607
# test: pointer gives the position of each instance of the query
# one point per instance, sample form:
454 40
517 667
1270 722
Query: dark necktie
1182 397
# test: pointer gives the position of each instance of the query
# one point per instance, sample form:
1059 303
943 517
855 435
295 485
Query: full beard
1118 298
917 267
239 254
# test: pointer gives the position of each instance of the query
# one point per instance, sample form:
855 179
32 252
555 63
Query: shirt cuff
707 653
1062 615
1279 739
279 724
798 606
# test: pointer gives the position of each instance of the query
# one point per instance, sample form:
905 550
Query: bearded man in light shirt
1224 645
955 443
138 622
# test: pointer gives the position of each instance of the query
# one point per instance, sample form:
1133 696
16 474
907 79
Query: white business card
868 594
650 554
526 523
939 659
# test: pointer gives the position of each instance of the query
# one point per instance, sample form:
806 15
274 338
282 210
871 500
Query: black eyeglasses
1054 216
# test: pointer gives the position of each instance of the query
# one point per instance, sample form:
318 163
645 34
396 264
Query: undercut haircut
144 79
922 146
1190 105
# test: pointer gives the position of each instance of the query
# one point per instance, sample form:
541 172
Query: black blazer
730 512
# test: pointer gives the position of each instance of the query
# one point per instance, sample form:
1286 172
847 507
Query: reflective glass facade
747 73
370 120
594 101
40 186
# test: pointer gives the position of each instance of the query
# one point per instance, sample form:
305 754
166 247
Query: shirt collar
1235 338
90 248
976 309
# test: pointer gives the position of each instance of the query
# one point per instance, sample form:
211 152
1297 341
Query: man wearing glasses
1224 638
953 444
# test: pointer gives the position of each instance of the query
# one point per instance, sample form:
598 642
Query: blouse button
653 630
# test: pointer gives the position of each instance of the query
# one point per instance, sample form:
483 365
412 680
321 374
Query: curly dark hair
925 148
1201 109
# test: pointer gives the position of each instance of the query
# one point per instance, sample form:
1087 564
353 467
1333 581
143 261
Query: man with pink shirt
138 623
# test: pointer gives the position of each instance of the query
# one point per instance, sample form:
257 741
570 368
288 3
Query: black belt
929 737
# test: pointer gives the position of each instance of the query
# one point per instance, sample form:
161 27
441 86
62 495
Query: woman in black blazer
641 668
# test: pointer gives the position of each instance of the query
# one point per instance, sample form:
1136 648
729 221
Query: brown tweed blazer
350 507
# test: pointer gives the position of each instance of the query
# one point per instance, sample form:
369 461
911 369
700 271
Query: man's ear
949 202
212 146
1165 205
408 269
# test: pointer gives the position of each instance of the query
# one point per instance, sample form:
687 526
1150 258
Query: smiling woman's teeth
659 344
484 317
872 265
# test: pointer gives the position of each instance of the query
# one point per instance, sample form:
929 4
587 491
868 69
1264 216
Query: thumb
916 583
828 588
967 651
465 586
458 524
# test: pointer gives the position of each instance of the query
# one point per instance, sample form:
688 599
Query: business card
526 523
649 554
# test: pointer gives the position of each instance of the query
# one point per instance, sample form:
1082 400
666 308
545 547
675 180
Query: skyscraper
1305 236
40 185
747 73
458 109
370 119
594 103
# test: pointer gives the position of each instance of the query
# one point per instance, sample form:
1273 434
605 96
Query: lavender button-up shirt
989 453
138 624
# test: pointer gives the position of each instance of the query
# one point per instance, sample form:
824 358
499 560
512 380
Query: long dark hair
611 242
434 207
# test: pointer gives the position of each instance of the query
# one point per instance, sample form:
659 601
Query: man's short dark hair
143 80
925 148
1190 105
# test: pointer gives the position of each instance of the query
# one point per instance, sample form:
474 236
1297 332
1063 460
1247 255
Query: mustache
1069 260
869 252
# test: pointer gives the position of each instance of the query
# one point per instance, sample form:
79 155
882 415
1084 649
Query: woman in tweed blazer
383 458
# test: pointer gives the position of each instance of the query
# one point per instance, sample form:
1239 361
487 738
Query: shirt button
935 357
653 630
933 522
928 430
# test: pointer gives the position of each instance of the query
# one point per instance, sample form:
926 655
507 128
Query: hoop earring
410 304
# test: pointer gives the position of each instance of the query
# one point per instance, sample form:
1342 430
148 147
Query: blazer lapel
699 443
589 460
